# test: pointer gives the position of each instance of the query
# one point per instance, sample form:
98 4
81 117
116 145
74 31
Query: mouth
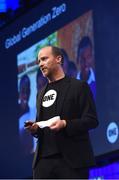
44 70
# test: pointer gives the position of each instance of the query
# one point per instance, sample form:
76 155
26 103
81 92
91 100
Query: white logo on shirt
49 98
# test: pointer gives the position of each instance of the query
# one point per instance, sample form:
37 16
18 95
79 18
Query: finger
54 126
27 127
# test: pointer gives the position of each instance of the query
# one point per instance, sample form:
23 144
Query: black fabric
49 145
55 167
76 106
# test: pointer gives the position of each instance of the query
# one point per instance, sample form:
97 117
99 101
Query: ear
59 59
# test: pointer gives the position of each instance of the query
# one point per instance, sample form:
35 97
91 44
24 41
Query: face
86 60
48 63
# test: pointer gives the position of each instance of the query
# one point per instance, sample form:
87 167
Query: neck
57 76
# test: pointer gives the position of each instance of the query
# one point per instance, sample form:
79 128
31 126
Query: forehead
45 51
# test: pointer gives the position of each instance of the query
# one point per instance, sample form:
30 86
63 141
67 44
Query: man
64 149
85 62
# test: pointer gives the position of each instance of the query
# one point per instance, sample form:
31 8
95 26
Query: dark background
13 164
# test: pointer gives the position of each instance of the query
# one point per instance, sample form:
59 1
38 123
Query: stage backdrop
75 27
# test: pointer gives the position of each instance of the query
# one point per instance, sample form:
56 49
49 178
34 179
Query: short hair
85 42
58 52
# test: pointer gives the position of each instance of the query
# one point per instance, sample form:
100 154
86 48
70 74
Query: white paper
48 122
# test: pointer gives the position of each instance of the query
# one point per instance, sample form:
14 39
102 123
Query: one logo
49 98
112 132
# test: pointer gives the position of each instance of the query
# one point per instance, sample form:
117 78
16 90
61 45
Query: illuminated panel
106 172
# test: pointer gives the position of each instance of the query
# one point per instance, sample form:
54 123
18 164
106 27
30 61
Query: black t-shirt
49 110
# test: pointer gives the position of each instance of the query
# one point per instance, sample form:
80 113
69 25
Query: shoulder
79 86
78 82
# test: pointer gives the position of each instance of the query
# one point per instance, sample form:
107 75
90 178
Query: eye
38 61
44 58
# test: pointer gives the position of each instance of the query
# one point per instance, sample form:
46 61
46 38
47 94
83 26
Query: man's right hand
28 123
31 127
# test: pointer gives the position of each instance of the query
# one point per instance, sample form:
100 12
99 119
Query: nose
40 64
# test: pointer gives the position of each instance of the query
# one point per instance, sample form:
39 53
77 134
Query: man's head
85 55
50 59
